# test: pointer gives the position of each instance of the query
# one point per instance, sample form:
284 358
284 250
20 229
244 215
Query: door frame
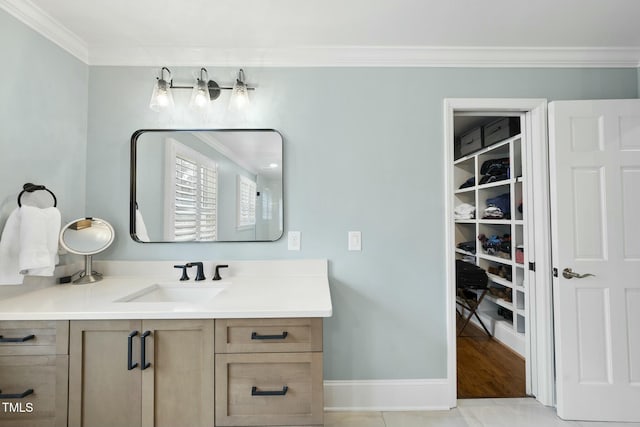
539 296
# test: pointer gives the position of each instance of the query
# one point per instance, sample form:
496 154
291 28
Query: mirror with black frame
220 185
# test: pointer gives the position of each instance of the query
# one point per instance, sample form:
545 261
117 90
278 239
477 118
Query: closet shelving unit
506 319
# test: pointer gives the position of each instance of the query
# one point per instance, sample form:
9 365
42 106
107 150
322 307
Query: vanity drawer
268 335
37 337
269 389
46 405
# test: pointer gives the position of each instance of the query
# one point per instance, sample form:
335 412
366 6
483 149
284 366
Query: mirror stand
87 237
88 275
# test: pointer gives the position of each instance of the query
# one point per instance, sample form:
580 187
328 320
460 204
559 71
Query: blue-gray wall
363 151
43 119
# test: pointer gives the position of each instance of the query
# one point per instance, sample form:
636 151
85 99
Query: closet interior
489 197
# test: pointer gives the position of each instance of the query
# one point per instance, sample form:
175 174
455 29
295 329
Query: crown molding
360 56
40 21
322 56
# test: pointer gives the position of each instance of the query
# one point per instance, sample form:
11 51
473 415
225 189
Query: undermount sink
174 292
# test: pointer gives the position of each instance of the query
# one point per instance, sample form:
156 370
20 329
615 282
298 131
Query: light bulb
240 94
161 98
200 95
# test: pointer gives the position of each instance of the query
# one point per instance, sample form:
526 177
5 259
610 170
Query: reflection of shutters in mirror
195 194
267 204
246 202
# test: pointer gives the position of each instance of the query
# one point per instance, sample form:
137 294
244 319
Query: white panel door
595 195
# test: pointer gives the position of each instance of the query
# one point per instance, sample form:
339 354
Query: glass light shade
200 96
239 97
161 98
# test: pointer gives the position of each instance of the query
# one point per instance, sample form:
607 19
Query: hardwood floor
487 368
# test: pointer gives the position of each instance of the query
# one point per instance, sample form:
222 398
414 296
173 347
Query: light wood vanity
250 356
195 372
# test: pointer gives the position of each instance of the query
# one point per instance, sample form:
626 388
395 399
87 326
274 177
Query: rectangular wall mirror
202 185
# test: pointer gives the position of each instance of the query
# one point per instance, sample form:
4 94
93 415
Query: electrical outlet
355 241
293 240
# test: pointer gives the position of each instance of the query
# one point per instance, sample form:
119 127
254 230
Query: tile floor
469 413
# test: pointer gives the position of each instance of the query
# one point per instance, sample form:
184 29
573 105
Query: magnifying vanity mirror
221 185
87 236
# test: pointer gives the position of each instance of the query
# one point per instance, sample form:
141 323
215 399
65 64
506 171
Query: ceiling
341 32
259 152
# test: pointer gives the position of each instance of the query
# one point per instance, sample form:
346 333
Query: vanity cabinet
33 373
141 373
269 372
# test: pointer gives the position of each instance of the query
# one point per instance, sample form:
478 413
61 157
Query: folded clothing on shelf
464 211
493 170
496 245
468 183
468 246
492 212
503 204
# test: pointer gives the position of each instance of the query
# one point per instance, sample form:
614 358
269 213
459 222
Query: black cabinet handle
16 395
143 350
256 392
130 364
19 339
255 336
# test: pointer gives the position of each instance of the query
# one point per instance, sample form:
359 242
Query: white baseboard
387 395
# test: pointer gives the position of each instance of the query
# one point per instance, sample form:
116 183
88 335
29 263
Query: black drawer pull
16 395
143 350
255 336
21 339
130 364
256 392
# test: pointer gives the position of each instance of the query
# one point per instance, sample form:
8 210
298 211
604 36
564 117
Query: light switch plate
293 240
355 241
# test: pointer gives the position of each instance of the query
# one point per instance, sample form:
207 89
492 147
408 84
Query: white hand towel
141 228
39 230
9 250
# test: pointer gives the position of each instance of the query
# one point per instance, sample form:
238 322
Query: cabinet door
178 385
102 391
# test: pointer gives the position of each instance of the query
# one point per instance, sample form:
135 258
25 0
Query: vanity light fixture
203 91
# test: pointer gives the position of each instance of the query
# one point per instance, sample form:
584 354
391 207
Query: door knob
567 273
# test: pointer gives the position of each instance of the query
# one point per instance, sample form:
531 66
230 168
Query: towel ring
30 188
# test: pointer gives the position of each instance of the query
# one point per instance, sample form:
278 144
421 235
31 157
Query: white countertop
250 291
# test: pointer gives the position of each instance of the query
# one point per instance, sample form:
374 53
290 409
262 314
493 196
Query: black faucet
216 276
199 271
184 271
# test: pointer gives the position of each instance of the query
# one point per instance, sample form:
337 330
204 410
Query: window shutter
208 206
186 193
246 202
195 190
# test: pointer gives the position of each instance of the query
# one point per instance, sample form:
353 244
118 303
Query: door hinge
532 266
555 272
